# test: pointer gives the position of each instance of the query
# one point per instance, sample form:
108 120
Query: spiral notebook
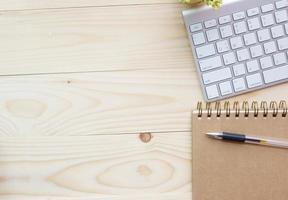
229 171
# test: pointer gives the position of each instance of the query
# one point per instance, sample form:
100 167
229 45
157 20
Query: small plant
213 3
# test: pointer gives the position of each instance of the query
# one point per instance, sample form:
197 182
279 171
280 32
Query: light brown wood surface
44 4
85 39
98 166
80 80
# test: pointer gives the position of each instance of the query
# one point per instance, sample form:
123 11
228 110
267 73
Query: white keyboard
241 47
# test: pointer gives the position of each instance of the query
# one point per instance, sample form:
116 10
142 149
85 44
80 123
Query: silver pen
241 138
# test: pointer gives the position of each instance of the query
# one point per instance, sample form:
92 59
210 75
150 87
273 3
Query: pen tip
213 134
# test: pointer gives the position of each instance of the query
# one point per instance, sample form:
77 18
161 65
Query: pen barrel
233 137
274 143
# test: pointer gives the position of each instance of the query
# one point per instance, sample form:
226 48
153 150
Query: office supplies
225 170
239 48
241 138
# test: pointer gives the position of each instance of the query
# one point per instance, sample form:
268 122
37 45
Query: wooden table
96 99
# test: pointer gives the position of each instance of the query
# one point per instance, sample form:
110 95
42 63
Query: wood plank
183 196
105 102
93 39
98 103
96 166
48 4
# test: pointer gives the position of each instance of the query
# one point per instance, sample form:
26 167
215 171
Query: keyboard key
267 20
223 46
226 31
270 47
286 28
236 42
205 51
256 51
283 43
264 35
240 27
239 84
254 80
276 74
250 39
229 58
198 38
239 15
253 11
196 27
225 88
212 92
279 58
239 69
281 4
266 62
252 66
243 54
212 35
281 16
253 24
216 76
225 19
277 31
210 63
210 23
267 8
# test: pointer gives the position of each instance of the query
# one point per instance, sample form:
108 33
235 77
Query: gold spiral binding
274 108
255 108
236 107
245 107
227 108
199 108
284 108
218 109
264 107
209 109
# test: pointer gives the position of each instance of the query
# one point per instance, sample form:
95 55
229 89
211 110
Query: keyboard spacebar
277 74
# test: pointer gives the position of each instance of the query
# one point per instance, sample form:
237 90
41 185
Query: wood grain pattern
105 102
95 165
143 81
182 196
93 39
45 4
97 103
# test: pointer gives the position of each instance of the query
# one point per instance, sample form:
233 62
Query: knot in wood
145 137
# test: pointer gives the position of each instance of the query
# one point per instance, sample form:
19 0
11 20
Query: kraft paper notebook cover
227 171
